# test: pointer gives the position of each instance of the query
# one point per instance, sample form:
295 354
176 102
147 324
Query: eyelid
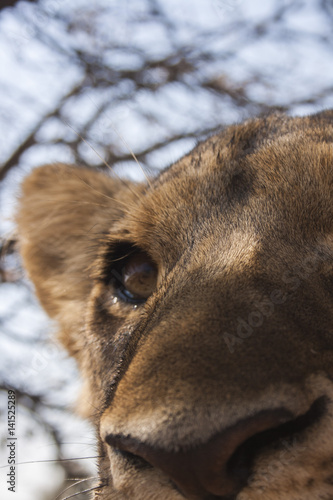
126 296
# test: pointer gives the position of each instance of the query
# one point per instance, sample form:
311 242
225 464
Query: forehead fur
232 180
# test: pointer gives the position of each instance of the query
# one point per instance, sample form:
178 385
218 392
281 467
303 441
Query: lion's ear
63 210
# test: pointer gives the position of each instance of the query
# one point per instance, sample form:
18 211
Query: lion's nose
212 469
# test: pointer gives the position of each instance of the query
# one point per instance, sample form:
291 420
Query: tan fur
240 322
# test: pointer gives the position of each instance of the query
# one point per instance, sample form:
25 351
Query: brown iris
139 277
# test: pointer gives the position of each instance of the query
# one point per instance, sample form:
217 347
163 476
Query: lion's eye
138 278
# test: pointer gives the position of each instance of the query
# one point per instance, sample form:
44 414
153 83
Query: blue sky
294 62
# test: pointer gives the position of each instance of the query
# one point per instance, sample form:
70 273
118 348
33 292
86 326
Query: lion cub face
200 311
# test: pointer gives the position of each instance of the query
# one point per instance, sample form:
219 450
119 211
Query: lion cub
199 308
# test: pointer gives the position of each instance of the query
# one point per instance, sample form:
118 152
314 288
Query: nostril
286 434
203 471
219 468
133 459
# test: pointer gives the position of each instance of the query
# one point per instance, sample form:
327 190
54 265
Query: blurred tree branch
12 3
184 84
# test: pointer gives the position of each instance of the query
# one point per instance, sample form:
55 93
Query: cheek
107 336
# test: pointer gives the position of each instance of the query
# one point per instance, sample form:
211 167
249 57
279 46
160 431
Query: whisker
56 460
109 166
80 478
79 202
126 145
67 443
126 204
75 484
133 155
84 491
